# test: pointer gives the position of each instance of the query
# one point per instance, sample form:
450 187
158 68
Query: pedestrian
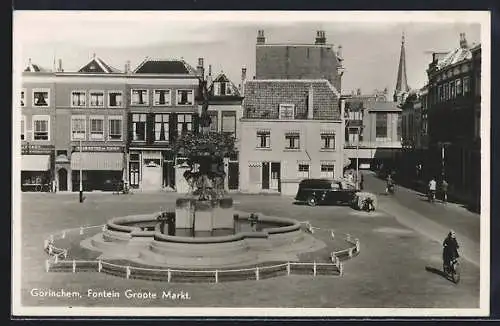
54 185
361 181
444 188
432 190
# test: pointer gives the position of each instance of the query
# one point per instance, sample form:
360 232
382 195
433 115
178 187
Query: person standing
444 188
432 190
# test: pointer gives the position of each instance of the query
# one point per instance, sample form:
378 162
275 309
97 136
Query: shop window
292 140
41 125
161 127
97 98
303 171
78 98
139 127
78 127
115 99
328 141
185 97
263 139
97 128
161 97
41 97
115 128
184 123
229 122
139 97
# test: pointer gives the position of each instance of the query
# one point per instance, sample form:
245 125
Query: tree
205 151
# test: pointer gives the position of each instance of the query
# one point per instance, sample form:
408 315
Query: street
394 268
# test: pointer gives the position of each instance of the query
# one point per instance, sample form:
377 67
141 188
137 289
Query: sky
371 41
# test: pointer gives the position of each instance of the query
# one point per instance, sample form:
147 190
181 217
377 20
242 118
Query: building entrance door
62 176
233 176
275 176
152 175
265 175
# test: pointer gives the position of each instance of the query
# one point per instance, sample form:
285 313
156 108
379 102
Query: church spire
402 81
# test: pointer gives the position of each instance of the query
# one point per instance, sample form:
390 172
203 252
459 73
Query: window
214 127
466 85
97 128
185 97
398 130
41 125
97 98
162 97
139 97
303 171
41 97
328 140
222 88
115 99
229 122
78 127
263 139
327 170
78 98
184 123
458 86
115 128
452 89
161 127
381 125
292 140
286 111
22 127
23 98
139 127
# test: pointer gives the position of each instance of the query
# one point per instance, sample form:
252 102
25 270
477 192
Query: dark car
323 191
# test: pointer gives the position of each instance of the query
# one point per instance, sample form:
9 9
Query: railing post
47 265
216 276
81 230
288 268
99 265
74 266
257 276
128 271
169 275
314 268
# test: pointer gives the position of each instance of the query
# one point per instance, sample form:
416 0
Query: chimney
209 77
261 39
127 67
310 103
243 79
60 68
200 69
463 41
320 37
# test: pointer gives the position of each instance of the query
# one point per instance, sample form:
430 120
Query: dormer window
222 88
287 111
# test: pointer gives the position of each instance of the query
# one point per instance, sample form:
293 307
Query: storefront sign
36 149
98 149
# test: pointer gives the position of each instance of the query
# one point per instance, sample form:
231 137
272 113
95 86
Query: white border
483 18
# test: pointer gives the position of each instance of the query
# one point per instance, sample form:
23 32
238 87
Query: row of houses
289 121
441 122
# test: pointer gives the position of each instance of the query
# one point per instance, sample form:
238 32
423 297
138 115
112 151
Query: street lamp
443 146
81 174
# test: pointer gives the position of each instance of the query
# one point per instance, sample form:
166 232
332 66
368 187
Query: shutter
150 125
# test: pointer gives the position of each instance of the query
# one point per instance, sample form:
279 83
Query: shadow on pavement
437 272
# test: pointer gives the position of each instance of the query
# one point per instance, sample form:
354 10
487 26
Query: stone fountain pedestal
205 216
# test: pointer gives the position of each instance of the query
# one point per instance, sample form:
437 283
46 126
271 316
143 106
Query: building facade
454 95
291 130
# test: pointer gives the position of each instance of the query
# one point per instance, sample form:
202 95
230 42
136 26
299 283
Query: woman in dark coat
450 248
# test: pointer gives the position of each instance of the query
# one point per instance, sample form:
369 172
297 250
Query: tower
401 81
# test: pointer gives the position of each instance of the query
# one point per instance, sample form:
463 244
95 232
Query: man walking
444 188
432 190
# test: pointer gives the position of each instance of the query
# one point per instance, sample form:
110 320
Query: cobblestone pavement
394 268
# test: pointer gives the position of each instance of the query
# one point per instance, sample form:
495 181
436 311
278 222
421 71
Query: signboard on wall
36 149
99 148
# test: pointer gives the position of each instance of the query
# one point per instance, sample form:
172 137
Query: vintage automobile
324 191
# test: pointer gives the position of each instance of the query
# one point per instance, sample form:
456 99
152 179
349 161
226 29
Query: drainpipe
81 174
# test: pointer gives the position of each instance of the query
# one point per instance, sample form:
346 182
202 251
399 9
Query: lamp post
443 146
81 174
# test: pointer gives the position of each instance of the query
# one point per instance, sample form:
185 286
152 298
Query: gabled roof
234 91
164 66
97 65
34 67
263 98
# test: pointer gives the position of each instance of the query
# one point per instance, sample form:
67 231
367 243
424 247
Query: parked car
324 191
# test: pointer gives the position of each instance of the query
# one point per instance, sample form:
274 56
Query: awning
35 162
97 161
